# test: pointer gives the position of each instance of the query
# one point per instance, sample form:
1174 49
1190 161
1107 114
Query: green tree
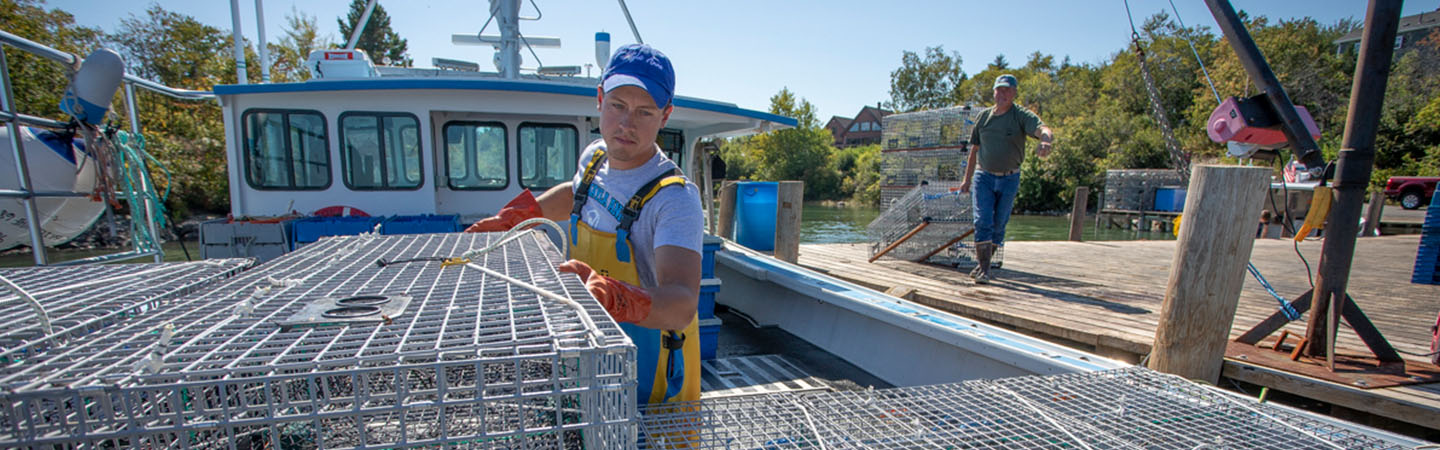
926 82
859 168
802 153
302 36
37 82
187 136
384 45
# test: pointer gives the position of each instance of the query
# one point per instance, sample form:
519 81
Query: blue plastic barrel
755 214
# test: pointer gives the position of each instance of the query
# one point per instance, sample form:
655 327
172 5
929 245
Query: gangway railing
9 114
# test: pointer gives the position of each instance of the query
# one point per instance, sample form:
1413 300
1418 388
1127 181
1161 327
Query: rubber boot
983 251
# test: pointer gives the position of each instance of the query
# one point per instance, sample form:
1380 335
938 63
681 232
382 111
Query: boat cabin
390 141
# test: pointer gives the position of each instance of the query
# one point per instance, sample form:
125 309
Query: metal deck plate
751 375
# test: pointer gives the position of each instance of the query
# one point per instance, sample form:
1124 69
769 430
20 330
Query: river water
825 224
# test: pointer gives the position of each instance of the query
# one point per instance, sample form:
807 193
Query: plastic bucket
755 214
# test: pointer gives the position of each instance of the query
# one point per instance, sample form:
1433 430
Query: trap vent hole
363 300
349 312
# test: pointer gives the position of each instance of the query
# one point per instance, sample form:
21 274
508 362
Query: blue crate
1170 199
311 229
421 224
709 337
707 256
708 288
1427 268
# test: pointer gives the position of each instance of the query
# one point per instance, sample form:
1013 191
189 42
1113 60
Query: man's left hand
625 302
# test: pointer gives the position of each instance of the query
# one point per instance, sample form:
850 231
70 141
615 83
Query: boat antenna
360 26
633 30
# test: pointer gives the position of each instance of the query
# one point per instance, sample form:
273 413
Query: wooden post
1077 213
1372 213
725 224
1214 245
789 204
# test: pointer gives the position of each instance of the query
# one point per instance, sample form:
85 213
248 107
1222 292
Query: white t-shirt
678 209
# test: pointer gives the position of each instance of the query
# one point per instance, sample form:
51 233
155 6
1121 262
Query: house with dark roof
864 129
1412 30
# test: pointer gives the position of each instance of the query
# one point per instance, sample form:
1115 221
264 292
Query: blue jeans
994 198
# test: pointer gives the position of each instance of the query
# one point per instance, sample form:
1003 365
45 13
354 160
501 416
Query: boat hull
55 165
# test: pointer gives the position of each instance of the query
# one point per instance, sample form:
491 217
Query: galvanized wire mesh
942 127
1125 408
79 300
947 211
908 168
1134 189
472 361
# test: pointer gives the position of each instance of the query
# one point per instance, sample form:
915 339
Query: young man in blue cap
635 225
997 147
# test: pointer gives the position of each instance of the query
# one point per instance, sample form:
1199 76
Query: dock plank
1107 296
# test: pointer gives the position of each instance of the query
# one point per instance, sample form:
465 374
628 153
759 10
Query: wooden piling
725 223
1372 213
789 204
1077 213
1208 270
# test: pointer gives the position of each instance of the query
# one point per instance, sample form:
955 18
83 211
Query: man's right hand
523 207
965 187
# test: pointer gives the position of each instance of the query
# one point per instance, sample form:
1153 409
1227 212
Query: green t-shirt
1002 137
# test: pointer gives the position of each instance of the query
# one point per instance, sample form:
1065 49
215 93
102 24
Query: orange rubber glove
523 207
624 301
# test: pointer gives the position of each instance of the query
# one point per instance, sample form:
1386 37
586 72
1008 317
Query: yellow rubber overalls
668 361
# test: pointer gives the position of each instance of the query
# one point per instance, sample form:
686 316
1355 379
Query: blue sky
838 54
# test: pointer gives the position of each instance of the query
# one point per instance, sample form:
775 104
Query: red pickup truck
1411 192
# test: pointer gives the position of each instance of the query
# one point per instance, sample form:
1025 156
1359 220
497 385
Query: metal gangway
9 114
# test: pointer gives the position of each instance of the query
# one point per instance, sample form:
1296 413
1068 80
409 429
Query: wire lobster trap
1123 408
46 307
470 360
940 127
929 223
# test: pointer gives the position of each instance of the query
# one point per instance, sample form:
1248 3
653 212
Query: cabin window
286 150
380 151
548 153
475 156
672 142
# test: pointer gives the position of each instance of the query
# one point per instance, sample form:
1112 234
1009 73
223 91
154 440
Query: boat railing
9 114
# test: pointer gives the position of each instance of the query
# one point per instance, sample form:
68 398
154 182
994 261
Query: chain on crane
1178 158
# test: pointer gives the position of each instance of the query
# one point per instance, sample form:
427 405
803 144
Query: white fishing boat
58 164
505 352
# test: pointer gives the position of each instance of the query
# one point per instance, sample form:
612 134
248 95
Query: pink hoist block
1229 122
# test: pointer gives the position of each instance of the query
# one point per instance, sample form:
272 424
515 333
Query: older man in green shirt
997 147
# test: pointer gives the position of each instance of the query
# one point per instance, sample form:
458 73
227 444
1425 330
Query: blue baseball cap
643 66
1006 80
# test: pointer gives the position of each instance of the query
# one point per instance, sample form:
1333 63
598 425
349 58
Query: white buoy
602 50
87 99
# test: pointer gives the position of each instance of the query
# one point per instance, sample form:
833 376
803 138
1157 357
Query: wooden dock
1106 297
